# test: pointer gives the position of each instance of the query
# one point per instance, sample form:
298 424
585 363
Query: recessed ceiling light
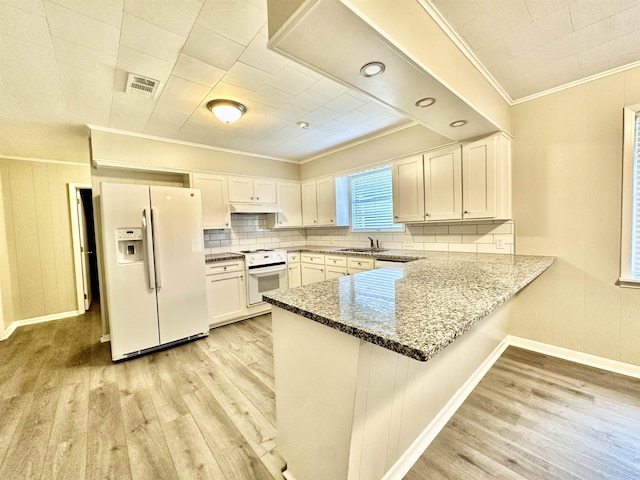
228 111
425 102
458 123
372 69
303 125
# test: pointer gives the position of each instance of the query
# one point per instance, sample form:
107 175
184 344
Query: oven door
264 279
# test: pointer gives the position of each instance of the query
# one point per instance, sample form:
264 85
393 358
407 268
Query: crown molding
43 160
464 47
575 83
188 144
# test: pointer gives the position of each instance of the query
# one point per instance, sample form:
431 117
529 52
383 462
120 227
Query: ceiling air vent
138 85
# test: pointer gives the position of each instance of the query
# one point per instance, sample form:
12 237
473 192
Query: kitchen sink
362 250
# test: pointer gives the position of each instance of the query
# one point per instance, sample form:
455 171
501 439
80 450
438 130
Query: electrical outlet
407 244
499 242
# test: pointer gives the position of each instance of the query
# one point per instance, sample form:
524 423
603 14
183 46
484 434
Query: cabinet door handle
427 214
242 278
331 220
465 212
315 221
396 216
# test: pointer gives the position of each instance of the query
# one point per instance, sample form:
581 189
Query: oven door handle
258 272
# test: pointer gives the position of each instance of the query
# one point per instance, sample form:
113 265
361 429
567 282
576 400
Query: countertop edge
417 354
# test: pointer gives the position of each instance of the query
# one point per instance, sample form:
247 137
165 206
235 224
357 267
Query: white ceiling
64 64
530 46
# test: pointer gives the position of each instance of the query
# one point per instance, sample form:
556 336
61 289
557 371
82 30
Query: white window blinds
372 201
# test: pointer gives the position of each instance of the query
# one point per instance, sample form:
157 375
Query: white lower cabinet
359 264
312 266
226 292
294 270
335 266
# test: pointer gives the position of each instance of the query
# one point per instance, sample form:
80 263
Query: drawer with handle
335 261
312 258
224 267
361 263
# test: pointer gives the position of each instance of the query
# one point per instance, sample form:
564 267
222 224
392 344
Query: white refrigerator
154 264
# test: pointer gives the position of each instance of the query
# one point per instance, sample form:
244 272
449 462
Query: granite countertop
219 257
418 308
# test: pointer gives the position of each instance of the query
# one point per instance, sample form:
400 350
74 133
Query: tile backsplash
250 232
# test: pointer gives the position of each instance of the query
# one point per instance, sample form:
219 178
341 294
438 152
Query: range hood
254 208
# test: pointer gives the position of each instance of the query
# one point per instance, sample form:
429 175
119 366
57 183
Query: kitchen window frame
630 192
397 229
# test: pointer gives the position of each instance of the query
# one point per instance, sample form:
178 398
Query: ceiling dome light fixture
425 102
458 123
228 111
303 125
372 69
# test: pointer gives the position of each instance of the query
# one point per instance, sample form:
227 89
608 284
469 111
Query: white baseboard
420 444
105 338
417 448
575 356
30 321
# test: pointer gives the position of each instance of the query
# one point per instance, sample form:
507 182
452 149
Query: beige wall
567 158
406 141
37 225
116 147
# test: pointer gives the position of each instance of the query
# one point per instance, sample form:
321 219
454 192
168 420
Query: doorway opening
84 246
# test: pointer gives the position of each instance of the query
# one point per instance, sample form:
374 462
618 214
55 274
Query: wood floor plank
107 453
236 458
166 381
191 454
25 377
24 458
67 450
12 411
254 427
148 452
262 397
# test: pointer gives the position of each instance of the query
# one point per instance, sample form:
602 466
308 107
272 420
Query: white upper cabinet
215 200
309 204
467 182
486 173
290 202
443 184
326 195
408 190
325 202
252 190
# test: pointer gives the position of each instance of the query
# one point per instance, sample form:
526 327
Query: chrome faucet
371 240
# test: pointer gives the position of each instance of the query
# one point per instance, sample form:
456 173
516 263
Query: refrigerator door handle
146 225
155 220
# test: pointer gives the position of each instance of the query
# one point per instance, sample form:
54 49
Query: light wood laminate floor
538 417
202 410
206 410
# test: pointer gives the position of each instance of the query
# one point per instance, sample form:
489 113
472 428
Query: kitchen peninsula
365 363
